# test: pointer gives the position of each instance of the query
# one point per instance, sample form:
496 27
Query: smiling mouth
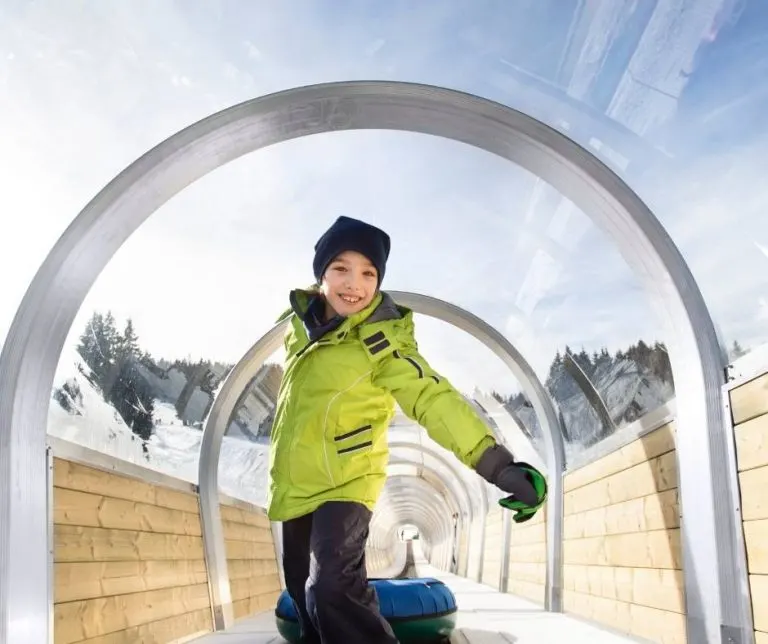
350 299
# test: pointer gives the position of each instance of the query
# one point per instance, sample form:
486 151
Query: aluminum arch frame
451 495
419 504
422 499
477 515
36 337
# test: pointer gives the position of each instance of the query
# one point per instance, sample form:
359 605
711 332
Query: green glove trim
522 511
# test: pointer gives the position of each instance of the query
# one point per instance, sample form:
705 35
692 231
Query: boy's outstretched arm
430 400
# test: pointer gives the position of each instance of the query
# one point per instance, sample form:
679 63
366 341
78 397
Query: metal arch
37 335
451 495
477 525
418 500
423 491
543 407
477 518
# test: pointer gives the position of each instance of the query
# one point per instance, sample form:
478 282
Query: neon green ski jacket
336 401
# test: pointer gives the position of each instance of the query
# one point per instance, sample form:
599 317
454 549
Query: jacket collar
381 308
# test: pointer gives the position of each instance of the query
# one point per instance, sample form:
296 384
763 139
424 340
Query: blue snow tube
421 610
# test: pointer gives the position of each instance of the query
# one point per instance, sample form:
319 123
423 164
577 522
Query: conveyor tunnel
654 529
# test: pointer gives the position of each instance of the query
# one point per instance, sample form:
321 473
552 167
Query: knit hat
351 234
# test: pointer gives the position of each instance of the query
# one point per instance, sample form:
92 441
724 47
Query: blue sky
89 87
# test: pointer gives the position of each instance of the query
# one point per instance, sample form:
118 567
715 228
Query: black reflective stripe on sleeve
379 347
416 366
355 447
354 432
373 339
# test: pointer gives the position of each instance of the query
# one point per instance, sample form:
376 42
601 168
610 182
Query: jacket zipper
295 437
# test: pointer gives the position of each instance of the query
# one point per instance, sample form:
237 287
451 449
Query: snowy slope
628 391
173 449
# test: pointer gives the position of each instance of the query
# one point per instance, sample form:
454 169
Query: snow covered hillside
85 418
628 389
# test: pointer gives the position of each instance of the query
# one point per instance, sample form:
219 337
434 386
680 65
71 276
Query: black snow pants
325 574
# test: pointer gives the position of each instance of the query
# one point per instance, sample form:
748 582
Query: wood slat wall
128 560
622 552
253 576
527 572
749 407
491 575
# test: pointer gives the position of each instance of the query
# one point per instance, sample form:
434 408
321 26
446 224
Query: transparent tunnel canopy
209 273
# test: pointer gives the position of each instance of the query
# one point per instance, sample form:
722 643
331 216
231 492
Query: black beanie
351 234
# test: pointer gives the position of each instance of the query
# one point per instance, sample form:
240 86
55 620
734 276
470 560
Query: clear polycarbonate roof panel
670 94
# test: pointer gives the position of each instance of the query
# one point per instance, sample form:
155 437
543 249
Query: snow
174 448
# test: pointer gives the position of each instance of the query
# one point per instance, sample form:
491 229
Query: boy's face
349 283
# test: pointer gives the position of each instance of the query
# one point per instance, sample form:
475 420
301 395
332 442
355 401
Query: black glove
498 467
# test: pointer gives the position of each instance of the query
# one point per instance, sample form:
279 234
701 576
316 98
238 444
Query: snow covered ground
174 449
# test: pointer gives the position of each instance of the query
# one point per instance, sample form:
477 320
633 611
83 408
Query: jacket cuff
493 460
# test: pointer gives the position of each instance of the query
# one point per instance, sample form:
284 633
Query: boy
350 354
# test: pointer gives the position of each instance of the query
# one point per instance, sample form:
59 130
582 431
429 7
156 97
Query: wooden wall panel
128 560
749 408
622 548
527 570
491 575
251 559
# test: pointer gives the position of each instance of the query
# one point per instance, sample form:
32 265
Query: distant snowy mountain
78 413
627 388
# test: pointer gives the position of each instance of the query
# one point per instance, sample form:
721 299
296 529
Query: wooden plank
653 444
656 625
245 532
752 443
535 573
653 512
76 543
253 605
756 537
74 581
249 550
246 568
254 586
525 533
176 629
648 477
754 494
759 586
750 400
240 515
657 549
663 589
533 553
520 588
75 476
72 507
80 620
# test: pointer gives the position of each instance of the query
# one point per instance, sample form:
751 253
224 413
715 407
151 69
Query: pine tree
130 341
736 350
